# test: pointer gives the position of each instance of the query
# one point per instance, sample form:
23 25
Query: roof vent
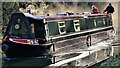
69 13
62 14
86 13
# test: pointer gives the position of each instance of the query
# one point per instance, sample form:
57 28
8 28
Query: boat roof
74 16
62 16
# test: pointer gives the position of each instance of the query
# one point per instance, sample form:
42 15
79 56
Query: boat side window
69 25
32 27
83 23
52 28
99 22
95 23
91 23
104 21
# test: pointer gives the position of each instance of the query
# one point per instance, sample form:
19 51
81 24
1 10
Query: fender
5 47
88 40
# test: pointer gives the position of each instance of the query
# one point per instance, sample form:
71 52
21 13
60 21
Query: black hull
18 50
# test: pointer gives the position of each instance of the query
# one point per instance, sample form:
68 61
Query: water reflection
34 62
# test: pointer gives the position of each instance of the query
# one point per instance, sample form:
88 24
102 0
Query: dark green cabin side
98 21
63 26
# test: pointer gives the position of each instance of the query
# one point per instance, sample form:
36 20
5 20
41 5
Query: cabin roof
92 15
71 16
62 16
74 16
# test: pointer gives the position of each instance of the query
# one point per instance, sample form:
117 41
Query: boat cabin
27 26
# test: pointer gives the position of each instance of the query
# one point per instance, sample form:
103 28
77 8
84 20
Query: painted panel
83 25
69 26
53 28
90 23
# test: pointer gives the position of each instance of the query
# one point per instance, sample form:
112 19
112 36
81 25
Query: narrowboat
51 36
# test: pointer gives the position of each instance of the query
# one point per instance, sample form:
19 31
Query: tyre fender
88 40
5 47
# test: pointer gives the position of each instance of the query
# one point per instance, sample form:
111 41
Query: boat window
52 28
76 25
69 26
99 22
62 28
95 23
83 24
32 27
91 23
104 22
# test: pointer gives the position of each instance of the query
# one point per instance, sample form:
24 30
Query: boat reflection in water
32 41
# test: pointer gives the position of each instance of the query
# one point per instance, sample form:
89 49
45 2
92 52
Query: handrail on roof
63 16
32 16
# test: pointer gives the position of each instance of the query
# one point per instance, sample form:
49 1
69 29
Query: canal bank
113 61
